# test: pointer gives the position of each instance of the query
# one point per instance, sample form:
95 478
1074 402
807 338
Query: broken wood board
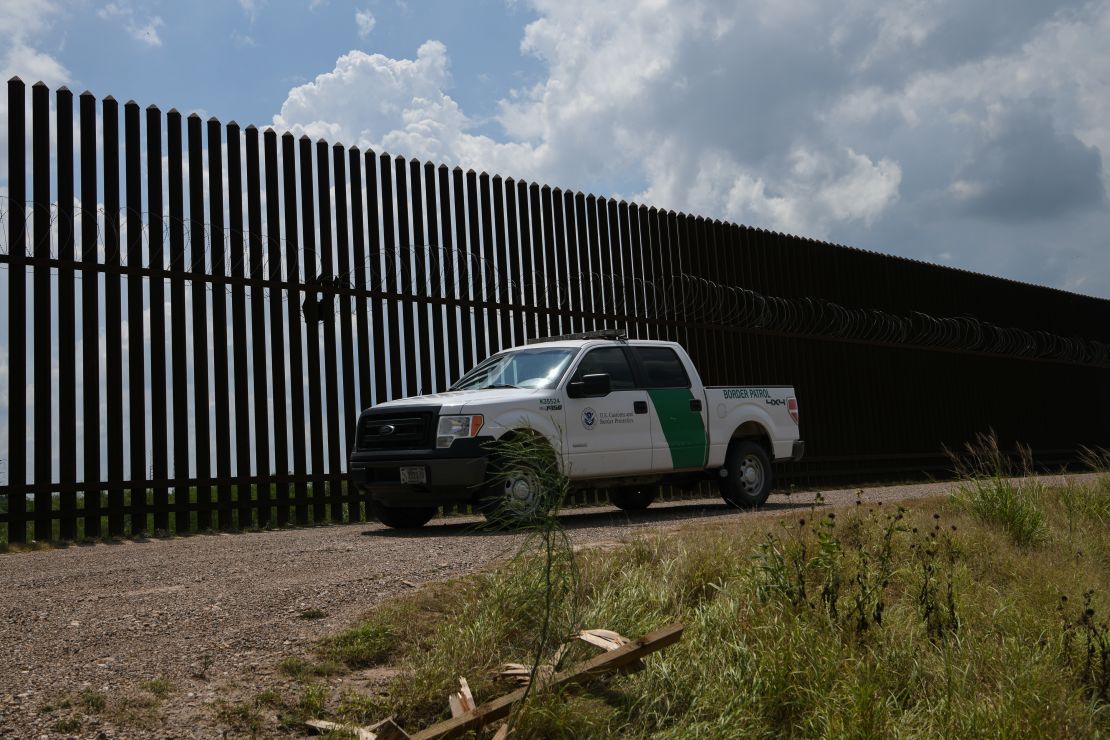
323 725
387 729
607 661
604 639
461 701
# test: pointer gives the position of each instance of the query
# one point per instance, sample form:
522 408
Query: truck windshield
525 368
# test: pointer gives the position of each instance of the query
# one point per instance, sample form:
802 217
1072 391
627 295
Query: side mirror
595 385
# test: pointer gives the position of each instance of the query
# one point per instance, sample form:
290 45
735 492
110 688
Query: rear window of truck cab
662 367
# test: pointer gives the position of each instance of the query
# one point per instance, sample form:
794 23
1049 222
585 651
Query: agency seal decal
589 417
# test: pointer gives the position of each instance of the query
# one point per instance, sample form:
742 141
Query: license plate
414 475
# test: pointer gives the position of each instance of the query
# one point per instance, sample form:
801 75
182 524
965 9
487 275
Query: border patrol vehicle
619 414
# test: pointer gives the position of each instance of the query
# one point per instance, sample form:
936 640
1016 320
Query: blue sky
238 61
941 130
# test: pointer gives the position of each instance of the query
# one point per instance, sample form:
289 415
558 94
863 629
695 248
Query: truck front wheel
523 484
748 482
403 517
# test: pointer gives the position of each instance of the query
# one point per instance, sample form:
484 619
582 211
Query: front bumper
453 474
799 450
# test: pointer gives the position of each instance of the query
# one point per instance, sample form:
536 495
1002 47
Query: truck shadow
593 518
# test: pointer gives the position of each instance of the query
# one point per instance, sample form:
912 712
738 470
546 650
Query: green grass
861 621
1015 507
362 646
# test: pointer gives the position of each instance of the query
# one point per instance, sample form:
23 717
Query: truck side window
611 360
662 367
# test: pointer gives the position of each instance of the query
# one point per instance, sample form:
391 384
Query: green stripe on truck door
682 428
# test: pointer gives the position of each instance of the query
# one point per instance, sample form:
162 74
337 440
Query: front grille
395 431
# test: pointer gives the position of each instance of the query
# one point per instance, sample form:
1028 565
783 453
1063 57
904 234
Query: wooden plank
604 639
325 726
608 661
461 701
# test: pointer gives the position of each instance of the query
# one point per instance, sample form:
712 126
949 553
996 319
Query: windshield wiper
499 385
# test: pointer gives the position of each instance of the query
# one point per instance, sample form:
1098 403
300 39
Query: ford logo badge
386 430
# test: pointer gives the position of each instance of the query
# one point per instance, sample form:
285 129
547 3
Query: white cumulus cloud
365 21
907 126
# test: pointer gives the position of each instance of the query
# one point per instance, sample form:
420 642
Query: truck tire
748 483
633 498
403 517
514 494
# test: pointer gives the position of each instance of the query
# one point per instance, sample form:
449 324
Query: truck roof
595 341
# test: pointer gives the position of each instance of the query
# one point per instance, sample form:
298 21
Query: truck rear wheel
403 517
633 498
748 483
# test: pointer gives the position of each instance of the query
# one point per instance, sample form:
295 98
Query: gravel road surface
213 615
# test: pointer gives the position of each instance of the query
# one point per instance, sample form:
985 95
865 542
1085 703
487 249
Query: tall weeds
990 492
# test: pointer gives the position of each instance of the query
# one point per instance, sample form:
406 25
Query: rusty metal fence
204 332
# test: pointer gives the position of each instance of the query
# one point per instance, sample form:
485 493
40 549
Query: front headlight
457 427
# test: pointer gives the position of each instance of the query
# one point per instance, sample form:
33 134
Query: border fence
196 364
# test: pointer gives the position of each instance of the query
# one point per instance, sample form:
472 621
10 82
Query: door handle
695 405
640 407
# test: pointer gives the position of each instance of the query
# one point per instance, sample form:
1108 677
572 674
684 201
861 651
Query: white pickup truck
625 415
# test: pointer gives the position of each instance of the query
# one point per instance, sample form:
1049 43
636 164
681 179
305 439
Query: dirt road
209 614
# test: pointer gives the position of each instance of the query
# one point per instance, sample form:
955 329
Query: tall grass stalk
990 492
545 563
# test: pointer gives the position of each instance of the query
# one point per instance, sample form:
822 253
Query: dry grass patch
863 620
